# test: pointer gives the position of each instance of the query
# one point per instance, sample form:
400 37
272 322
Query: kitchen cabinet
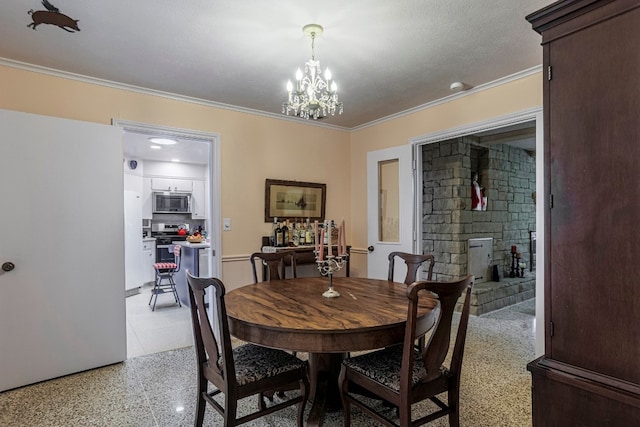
589 374
172 184
199 200
147 199
149 258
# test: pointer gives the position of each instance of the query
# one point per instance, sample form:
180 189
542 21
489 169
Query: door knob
370 248
8 266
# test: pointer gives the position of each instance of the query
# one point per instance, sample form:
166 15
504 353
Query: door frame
533 114
214 200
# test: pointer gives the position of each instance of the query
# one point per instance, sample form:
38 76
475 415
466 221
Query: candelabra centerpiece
327 266
329 263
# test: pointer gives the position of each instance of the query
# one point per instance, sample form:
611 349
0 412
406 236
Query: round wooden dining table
293 315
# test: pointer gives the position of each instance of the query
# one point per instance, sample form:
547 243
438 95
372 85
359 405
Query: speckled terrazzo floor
159 389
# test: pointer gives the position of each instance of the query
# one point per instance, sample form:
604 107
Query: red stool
165 272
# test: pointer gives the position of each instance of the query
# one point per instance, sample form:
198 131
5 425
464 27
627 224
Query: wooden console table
304 254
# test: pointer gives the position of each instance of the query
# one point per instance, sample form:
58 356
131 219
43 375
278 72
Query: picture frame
294 199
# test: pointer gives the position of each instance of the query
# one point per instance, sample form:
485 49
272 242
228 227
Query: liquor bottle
285 233
274 235
290 227
302 234
327 230
294 234
279 240
308 235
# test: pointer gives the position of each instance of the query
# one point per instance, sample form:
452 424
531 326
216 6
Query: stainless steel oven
164 239
164 253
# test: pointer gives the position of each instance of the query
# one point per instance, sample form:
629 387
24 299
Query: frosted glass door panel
389 202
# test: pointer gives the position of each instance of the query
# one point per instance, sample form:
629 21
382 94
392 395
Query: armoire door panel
594 224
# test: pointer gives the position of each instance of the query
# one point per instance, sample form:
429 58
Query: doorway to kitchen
187 163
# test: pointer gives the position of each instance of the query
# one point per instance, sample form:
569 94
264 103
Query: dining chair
276 264
413 263
238 372
274 268
402 375
164 278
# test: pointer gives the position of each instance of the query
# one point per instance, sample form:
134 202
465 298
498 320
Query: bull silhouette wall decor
52 16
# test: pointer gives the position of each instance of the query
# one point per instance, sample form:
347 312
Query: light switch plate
226 224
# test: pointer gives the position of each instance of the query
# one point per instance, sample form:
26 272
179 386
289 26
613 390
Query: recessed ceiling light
175 160
163 141
155 147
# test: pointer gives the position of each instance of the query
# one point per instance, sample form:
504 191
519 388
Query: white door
389 209
62 307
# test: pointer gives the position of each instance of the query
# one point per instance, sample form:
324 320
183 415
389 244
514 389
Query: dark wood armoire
590 372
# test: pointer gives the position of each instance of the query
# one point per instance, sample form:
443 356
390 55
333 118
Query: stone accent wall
508 175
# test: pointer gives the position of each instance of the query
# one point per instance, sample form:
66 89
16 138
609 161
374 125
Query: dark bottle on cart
284 231
274 233
279 240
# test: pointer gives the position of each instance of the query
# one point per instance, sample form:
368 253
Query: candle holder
327 266
514 265
522 265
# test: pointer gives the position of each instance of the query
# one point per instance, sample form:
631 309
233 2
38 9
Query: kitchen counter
189 260
186 244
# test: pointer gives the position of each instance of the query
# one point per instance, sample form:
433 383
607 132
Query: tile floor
158 390
166 328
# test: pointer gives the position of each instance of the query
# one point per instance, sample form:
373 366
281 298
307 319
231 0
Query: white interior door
389 208
62 307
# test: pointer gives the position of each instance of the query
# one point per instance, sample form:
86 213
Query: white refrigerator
133 257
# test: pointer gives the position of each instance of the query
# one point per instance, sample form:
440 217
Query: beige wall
254 147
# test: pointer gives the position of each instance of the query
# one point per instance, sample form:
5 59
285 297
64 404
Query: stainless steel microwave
166 202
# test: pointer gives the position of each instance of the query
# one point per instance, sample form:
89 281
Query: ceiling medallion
313 96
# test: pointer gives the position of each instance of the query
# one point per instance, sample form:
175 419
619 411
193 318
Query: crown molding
152 92
480 88
167 95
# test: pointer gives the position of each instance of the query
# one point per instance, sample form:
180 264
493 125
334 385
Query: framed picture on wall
294 199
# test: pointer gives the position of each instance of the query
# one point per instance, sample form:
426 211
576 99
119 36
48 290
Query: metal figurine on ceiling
52 16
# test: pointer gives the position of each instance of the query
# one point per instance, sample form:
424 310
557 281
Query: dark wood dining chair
403 375
413 262
274 267
238 372
276 264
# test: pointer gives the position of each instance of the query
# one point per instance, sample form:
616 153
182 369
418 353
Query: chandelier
312 96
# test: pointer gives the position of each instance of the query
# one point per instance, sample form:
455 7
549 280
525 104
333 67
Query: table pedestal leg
324 369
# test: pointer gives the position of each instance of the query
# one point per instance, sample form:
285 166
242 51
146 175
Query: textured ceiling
386 56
